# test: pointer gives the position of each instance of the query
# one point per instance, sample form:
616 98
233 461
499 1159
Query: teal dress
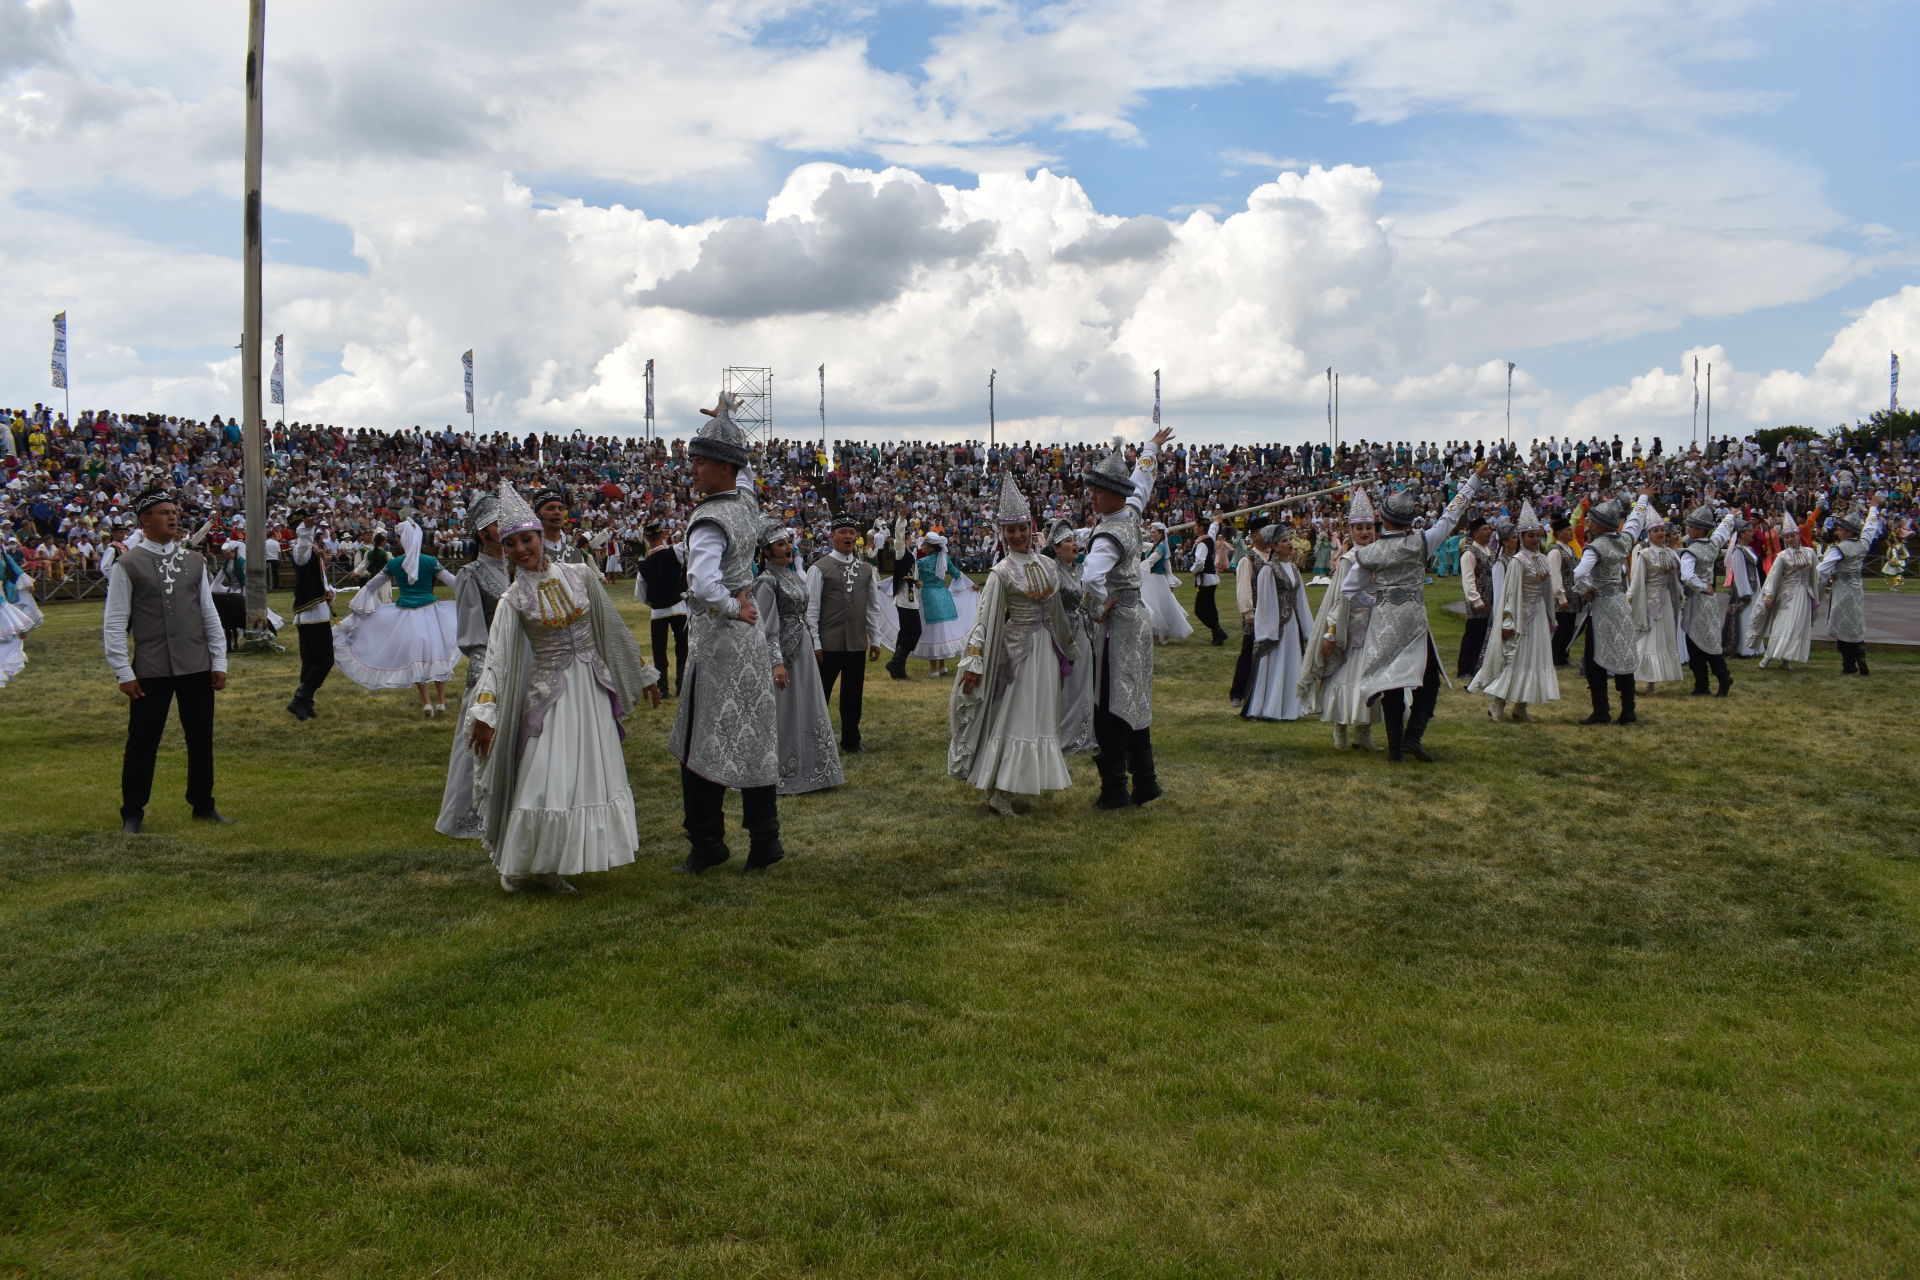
416 593
936 600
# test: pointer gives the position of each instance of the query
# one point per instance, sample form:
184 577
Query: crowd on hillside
67 488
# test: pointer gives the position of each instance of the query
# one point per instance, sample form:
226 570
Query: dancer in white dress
1281 619
18 615
1330 683
412 641
1518 668
1003 716
562 672
1156 589
1655 597
1788 602
809 753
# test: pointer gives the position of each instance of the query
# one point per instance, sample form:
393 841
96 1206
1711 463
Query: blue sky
1593 193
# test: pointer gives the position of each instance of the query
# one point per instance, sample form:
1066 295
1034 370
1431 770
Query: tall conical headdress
721 438
1528 520
514 514
1013 504
1360 509
1111 472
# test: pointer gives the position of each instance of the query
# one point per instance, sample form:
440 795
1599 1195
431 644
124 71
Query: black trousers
1242 669
1563 638
232 608
705 820
1597 677
678 626
903 645
273 575
851 663
316 657
1404 724
1207 610
1853 656
1119 748
1473 645
147 722
1701 663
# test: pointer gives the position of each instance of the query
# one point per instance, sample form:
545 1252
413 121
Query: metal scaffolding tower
754 388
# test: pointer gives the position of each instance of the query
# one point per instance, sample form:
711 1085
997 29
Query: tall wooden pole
253 428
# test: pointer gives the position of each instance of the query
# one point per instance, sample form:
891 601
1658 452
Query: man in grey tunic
1705 612
1123 631
159 594
1389 577
1840 572
844 612
725 735
1600 579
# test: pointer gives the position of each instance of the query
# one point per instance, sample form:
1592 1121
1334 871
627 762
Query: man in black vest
844 615
1476 580
312 616
158 592
1206 581
906 605
663 585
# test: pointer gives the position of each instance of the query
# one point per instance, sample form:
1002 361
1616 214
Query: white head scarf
939 543
410 540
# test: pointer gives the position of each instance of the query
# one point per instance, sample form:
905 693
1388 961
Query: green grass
1574 1002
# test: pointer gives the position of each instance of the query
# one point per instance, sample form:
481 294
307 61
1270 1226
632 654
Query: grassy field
1573 1002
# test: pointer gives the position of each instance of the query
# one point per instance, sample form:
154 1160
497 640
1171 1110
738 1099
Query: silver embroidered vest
724 730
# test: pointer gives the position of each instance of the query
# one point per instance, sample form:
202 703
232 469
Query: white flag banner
649 386
1156 399
823 400
466 365
60 350
1893 398
277 385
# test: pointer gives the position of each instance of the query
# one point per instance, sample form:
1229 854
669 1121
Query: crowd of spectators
68 490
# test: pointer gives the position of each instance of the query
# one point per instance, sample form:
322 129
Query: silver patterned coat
1705 615
1603 572
1123 644
724 730
1841 572
809 754
1389 576
1076 696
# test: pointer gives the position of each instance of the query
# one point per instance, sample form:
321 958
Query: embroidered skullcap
1609 515
1476 524
721 438
1399 507
482 511
551 493
514 515
1111 472
848 520
149 500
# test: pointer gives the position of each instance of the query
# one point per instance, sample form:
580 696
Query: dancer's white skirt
392 648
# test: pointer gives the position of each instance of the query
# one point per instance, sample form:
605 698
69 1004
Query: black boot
301 706
1597 692
1720 674
1146 786
1113 781
1625 686
1700 681
1861 662
1396 738
706 847
764 848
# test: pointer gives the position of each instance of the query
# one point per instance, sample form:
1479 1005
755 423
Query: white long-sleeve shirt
113 625
1359 583
706 549
1636 521
1103 555
320 610
876 615
1870 531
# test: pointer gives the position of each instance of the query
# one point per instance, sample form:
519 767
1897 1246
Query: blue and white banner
277 384
823 400
1893 397
1156 399
466 365
649 414
60 350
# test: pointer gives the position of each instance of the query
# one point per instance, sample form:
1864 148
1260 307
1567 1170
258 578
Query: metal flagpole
1509 402
1329 406
1336 411
1709 405
252 426
466 372
1893 395
1267 506
825 451
991 375
1156 400
649 417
